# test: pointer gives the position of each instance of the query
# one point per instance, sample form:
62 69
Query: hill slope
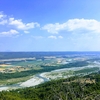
74 88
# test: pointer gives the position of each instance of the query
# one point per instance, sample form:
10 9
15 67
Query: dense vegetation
74 88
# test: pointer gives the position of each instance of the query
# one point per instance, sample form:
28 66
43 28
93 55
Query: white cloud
54 28
26 32
2 18
3 22
52 37
74 24
2 15
14 25
88 24
17 23
9 33
55 37
22 26
60 37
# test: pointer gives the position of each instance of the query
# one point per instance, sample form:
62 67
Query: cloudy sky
49 25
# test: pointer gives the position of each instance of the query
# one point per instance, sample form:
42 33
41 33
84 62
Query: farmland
23 72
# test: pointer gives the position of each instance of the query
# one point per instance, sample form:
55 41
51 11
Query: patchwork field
31 71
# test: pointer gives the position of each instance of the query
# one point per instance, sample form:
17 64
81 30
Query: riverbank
35 80
47 76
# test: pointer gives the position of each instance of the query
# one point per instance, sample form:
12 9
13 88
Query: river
36 80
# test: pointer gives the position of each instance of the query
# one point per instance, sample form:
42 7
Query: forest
73 88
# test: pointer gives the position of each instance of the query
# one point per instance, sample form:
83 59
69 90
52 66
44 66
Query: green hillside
74 88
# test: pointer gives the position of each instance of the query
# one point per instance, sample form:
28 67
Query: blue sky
49 25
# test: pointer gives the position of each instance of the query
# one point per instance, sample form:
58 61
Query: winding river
37 79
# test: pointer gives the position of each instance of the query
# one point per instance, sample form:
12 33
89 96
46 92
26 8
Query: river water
36 80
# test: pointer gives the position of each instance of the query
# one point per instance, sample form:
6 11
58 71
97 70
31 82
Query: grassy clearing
87 70
14 80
